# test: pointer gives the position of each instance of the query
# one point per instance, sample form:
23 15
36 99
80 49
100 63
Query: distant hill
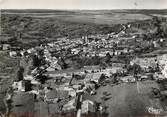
43 25
150 11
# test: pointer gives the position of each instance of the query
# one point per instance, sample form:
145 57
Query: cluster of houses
62 89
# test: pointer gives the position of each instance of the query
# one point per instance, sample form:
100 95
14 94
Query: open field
131 99
109 19
94 17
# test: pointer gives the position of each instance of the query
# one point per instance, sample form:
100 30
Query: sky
83 4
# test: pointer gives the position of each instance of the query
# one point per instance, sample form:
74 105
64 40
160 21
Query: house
71 91
70 106
95 68
50 95
107 71
145 63
5 47
13 54
75 81
74 51
95 77
19 86
31 79
35 82
102 54
116 69
164 71
53 94
56 74
162 61
155 44
87 107
28 77
49 69
159 76
128 79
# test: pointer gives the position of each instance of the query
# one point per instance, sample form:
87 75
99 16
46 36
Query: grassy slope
129 99
8 68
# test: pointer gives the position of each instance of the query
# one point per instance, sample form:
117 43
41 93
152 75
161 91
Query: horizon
83 4
80 9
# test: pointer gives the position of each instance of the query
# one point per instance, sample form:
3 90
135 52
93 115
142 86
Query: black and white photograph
83 58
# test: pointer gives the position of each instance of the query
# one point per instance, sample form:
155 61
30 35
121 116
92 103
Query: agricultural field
98 18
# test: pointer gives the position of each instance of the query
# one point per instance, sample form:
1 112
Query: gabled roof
56 94
93 76
88 106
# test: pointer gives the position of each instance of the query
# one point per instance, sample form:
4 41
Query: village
120 73
51 81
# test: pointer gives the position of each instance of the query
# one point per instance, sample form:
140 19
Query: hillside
36 26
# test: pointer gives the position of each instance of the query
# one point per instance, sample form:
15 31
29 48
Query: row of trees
161 26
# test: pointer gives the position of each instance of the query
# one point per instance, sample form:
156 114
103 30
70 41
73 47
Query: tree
136 70
36 61
161 26
114 78
20 74
164 29
62 63
107 58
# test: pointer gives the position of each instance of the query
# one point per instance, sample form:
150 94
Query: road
138 90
